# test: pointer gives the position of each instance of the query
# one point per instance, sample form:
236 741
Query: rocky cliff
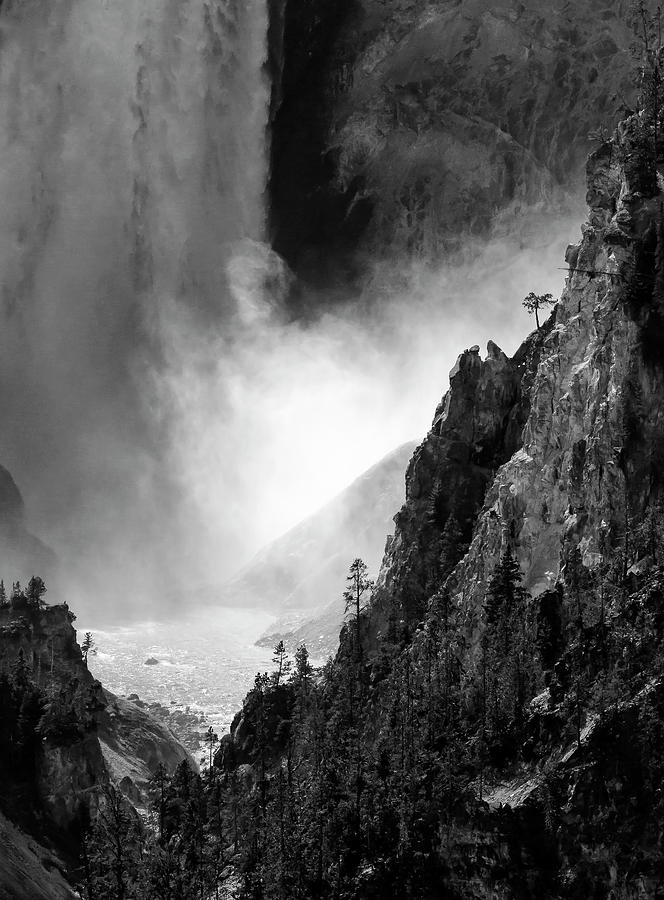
76 739
404 127
491 723
573 424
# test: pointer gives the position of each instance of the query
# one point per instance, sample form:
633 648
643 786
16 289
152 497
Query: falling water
133 148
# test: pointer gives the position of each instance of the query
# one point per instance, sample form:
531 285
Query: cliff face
489 727
79 740
575 428
476 428
28 870
582 430
402 127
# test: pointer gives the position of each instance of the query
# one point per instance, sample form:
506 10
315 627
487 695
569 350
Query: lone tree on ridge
534 302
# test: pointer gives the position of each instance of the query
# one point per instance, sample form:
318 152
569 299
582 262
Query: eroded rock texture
406 126
555 421
85 739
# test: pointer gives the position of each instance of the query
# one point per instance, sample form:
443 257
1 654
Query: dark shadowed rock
96 739
404 127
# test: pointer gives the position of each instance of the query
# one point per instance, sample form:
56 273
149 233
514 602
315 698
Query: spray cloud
162 415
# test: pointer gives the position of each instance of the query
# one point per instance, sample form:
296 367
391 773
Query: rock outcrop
87 739
28 871
476 429
574 428
490 725
555 421
404 127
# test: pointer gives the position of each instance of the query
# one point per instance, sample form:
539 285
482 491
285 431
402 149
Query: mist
274 424
163 415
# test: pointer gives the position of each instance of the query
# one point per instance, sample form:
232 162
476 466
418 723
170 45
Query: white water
132 177
205 661
160 416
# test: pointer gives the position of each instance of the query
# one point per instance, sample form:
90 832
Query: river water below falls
205 660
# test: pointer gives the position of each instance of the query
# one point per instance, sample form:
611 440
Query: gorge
243 242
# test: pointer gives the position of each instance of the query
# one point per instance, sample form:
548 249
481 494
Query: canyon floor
206 660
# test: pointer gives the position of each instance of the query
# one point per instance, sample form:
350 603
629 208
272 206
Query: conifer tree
504 593
279 658
114 847
451 546
88 646
211 739
358 584
34 593
533 303
303 668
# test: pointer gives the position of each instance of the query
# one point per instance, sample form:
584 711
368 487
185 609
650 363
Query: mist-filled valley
168 406
330 460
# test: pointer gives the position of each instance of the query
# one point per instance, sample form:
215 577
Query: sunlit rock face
476 429
582 432
412 125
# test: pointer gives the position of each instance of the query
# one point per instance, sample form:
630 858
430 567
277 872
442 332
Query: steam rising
161 413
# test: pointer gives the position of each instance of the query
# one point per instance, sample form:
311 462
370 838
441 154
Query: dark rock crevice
310 220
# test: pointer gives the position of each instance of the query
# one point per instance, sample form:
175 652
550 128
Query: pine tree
114 848
303 668
533 303
358 585
452 548
34 593
88 646
211 739
279 658
158 788
504 591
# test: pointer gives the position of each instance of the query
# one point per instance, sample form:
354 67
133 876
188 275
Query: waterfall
133 165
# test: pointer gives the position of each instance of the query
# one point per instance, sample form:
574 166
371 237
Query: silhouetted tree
88 646
211 739
533 303
34 593
358 585
279 658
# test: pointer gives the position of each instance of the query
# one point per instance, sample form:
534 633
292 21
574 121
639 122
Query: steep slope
64 741
491 724
589 453
27 870
403 127
301 573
